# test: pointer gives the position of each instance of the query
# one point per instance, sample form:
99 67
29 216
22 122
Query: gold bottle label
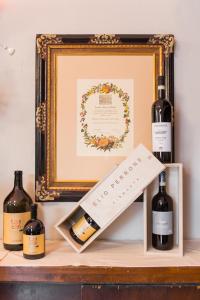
13 225
33 244
82 229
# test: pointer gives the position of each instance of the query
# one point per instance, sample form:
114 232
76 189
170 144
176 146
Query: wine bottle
16 212
34 236
83 229
162 123
162 217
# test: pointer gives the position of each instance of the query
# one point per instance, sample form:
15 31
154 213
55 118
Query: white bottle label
162 222
161 137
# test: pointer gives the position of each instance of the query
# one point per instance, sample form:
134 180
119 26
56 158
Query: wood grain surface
102 275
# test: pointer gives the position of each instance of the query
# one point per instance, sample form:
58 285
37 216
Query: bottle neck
34 213
18 181
162 182
161 93
162 189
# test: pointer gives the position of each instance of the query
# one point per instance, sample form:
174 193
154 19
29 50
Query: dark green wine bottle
16 212
162 217
162 125
34 236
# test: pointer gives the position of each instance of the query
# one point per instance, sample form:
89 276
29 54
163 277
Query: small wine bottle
162 123
34 236
16 212
83 229
162 217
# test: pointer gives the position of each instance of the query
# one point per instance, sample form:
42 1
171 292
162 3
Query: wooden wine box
174 187
113 194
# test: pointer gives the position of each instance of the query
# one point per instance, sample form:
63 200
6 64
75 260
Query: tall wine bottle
162 217
162 113
34 236
16 212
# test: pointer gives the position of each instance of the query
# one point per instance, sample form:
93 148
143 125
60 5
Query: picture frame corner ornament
104 39
166 40
42 42
42 193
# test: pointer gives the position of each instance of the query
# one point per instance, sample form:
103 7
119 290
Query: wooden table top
103 262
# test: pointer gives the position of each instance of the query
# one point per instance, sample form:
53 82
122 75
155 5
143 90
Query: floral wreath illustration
105 143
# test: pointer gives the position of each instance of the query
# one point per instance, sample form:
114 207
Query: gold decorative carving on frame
104 39
43 41
166 40
41 117
43 194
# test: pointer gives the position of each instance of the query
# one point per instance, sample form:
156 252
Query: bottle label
161 137
13 225
82 229
33 244
162 222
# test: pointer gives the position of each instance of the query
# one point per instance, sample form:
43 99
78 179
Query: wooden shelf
103 262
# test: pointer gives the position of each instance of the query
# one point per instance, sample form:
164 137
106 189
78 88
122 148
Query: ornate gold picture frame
72 73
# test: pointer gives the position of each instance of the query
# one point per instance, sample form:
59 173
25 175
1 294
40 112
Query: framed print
93 105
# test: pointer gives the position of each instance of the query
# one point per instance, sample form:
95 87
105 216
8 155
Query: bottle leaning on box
83 229
162 125
16 212
162 217
34 236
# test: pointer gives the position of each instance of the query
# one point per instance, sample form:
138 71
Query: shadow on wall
188 181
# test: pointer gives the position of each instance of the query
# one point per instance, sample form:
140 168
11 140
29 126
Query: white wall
20 20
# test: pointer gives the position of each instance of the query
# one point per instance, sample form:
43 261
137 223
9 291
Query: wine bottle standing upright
16 212
162 122
162 217
34 236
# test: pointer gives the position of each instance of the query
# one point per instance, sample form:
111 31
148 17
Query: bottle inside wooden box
175 190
